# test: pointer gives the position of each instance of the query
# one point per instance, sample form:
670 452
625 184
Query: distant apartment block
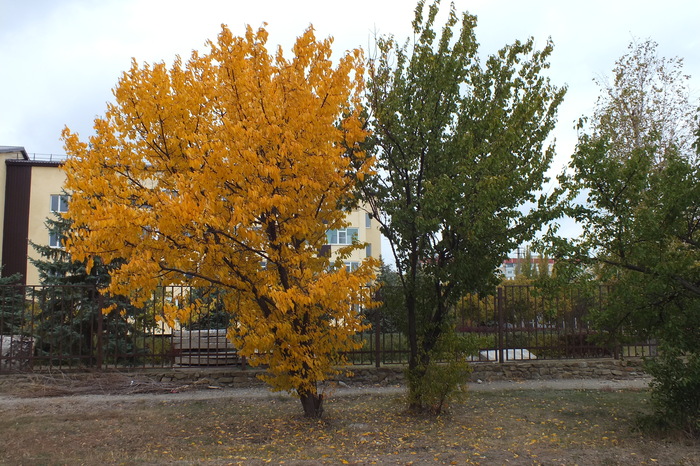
362 228
31 190
512 267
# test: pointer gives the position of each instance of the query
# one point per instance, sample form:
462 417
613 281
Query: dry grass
506 427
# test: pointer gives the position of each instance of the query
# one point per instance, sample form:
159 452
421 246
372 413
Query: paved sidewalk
202 393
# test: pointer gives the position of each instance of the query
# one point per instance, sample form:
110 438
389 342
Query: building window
351 266
368 250
368 220
59 202
55 240
344 236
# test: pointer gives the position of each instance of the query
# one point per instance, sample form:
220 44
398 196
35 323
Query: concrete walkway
202 393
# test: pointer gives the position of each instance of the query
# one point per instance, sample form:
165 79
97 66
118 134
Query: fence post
501 322
100 328
377 338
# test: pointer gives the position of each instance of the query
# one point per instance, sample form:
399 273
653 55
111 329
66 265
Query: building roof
39 160
34 163
521 260
12 149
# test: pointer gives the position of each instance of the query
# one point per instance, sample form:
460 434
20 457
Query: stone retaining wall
393 375
560 369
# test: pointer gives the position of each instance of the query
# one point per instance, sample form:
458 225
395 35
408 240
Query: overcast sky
60 59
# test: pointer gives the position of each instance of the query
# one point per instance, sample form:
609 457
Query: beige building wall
46 180
367 232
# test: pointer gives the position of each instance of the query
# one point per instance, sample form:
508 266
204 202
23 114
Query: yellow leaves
228 169
107 309
175 313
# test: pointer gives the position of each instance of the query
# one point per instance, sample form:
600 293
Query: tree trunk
412 330
312 404
415 389
415 371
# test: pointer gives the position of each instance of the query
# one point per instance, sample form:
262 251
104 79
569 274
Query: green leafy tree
392 318
543 266
12 315
210 312
461 152
67 323
634 188
526 269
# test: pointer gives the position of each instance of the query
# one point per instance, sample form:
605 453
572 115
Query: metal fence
516 322
70 327
529 323
67 327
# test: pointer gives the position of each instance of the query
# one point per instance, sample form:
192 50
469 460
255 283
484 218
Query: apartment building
31 190
363 228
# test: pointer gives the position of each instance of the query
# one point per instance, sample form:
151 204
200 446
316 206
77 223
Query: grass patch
520 427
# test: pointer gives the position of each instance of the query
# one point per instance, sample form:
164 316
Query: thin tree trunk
412 330
415 371
415 391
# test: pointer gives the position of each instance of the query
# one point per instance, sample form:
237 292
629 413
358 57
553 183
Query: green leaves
460 146
633 187
641 193
461 151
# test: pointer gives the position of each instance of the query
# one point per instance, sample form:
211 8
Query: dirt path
58 395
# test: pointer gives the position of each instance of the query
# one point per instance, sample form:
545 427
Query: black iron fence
75 327
67 327
517 322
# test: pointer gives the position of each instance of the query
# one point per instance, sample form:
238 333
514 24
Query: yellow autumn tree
228 170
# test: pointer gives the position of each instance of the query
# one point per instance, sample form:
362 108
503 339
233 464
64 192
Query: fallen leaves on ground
506 427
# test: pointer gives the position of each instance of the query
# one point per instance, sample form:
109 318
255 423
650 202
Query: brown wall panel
16 234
